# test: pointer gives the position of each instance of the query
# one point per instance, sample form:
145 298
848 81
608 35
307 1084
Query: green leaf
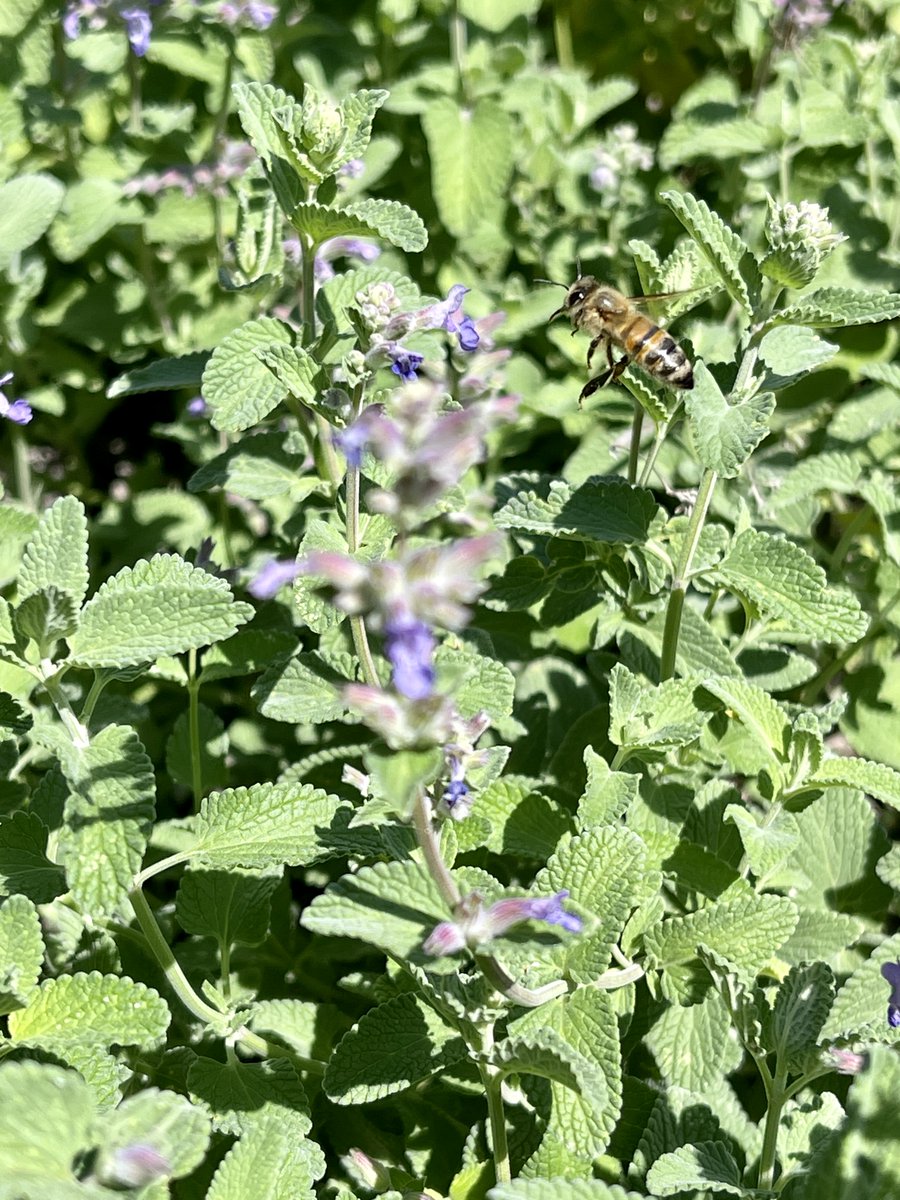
692 1044
239 1096
560 1189
169 374
801 1006
43 1147
471 152
790 352
257 467
156 608
28 205
787 585
21 952
860 1006
305 689
386 219
91 208
498 14
543 1052
24 865
706 1167
233 906
393 906
56 555
602 870
600 510
727 253
295 368
477 682
268 1163
873 778
747 931
108 816
762 717
724 434
394 1046
841 839
237 385
265 825
586 1021
46 616
104 1009
518 820
165 1122
831 308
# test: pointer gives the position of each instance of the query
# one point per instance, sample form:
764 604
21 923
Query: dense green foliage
413 780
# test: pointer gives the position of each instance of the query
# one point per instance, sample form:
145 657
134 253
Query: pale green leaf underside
724 434
727 253
831 308
156 608
706 1167
874 778
27 206
386 219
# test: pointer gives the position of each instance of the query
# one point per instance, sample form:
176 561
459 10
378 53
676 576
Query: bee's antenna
578 266
554 282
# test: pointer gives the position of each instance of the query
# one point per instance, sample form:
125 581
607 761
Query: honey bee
608 316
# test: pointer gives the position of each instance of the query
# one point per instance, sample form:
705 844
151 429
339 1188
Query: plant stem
493 1090
162 952
224 102
194 729
22 466
431 851
562 35
776 1097
634 449
845 541
51 681
458 47
682 574
358 629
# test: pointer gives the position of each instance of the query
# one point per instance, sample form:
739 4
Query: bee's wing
659 297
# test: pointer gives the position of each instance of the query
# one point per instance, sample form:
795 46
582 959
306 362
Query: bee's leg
594 385
593 346
618 368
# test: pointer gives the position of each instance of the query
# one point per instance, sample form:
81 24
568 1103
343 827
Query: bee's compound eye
575 297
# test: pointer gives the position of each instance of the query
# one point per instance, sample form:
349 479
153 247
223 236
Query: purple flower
505 913
197 407
449 315
891 972
17 411
473 925
409 646
138 27
272 578
135 1166
457 790
405 363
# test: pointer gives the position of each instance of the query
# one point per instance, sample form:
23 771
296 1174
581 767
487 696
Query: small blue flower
352 441
891 972
467 333
454 321
550 909
138 27
17 411
405 363
409 646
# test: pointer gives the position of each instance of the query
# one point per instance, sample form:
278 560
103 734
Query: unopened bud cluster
800 237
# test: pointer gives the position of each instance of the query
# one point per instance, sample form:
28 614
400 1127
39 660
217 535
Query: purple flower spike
891 972
17 411
455 322
409 645
272 578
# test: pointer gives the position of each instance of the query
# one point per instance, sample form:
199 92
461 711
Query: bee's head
583 286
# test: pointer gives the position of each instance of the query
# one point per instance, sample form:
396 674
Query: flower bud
800 237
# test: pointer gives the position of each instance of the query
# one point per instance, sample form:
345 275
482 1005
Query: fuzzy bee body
611 317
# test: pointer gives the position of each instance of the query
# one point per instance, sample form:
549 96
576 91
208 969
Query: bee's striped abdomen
659 354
